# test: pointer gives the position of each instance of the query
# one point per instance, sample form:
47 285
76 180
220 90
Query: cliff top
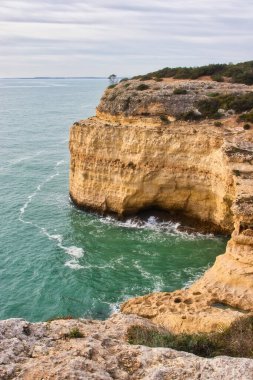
178 99
235 73
86 349
184 93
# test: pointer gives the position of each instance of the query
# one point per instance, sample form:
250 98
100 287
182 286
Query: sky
125 37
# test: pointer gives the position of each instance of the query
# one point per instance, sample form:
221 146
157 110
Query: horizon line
56 77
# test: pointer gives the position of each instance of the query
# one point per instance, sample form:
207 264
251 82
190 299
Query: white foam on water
58 238
171 228
18 160
73 264
114 307
196 276
31 196
60 163
158 284
144 273
24 158
72 250
37 190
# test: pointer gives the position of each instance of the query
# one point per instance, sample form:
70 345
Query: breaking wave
75 252
154 224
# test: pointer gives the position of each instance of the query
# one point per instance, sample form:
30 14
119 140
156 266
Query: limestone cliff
140 152
36 351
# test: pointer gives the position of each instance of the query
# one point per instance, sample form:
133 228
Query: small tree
113 79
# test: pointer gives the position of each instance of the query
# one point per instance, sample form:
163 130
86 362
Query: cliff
158 144
53 351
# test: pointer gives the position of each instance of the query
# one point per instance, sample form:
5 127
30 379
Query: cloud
74 37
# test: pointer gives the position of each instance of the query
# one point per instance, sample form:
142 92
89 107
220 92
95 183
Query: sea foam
73 264
154 224
74 251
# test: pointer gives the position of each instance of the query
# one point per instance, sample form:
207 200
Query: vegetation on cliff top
74 333
237 340
238 73
211 106
247 117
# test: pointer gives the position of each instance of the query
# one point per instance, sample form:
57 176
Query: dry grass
236 341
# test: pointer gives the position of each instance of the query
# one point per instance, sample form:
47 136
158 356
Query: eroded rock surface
33 351
128 158
159 98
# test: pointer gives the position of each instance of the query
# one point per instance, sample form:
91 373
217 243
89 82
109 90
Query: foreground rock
136 154
32 351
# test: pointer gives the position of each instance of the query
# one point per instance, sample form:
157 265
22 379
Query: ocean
56 260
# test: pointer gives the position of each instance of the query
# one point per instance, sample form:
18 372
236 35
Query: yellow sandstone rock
128 158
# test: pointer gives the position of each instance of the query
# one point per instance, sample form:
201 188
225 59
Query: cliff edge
98 350
184 146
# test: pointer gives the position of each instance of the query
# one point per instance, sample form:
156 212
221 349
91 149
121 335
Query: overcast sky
126 37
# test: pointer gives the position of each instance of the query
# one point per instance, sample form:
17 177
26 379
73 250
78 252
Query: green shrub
242 103
248 117
190 116
59 317
237 340
74 333
244 77
208 107
238 73
246 126
218 124
123 80
238 102
142 87
218 78
213 94
145 77
180 91
112 86
158 79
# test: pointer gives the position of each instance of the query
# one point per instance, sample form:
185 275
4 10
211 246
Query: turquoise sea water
54 259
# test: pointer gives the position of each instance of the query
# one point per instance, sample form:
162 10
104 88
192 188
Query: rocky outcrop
31 351
137 153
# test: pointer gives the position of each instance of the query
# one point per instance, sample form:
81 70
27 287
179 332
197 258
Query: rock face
44 351
136 154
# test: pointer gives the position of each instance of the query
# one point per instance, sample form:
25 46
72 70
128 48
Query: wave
154 224
60 163
144 273
157 282
158 285
73 264
31 196
196 276
73 251
18 160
